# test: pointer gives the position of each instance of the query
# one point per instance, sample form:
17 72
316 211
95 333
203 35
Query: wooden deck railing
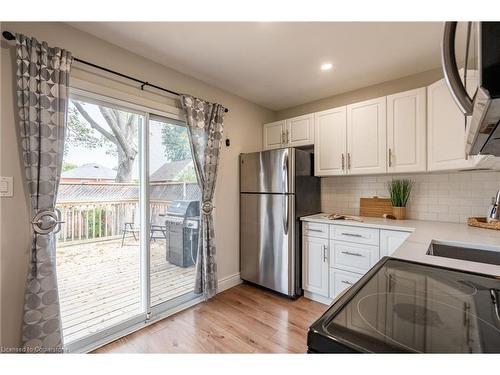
89 214
101 220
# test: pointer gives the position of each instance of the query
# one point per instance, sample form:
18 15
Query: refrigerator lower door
268 254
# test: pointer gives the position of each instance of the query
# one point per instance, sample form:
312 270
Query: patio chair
132 226
158 229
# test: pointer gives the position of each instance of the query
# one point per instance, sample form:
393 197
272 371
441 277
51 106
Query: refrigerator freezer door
268 171
268 255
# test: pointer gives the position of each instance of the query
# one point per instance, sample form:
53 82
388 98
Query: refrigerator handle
285 171
286 214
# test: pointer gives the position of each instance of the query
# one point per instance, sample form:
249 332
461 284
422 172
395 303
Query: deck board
99 284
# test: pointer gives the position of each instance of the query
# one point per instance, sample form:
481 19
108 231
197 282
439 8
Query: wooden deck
99 284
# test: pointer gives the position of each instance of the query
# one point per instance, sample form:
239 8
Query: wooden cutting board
374 207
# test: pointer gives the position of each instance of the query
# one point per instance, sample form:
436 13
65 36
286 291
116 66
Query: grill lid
183 209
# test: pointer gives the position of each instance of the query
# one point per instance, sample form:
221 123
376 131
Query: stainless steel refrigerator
277 187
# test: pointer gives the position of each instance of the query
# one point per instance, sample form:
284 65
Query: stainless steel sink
471 254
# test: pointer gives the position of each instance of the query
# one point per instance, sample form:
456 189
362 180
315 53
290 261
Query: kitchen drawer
341 280
315 229
353 257
367 236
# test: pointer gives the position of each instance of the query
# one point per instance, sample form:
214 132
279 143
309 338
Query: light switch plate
6 186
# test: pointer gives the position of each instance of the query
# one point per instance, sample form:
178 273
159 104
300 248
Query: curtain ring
54 218
207 207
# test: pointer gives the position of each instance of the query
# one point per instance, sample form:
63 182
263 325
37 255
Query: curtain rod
9 36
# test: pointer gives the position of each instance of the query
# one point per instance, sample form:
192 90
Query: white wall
451 197
243 122
365 93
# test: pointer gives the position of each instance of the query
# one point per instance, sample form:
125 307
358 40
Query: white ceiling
277 65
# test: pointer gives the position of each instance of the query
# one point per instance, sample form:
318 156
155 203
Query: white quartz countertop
423 232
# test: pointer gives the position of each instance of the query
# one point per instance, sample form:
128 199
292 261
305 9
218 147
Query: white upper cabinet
412 131
446 128
274 135
366 137
330 128
406 131
294 132
300 131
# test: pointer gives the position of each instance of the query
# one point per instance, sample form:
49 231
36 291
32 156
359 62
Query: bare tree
122 138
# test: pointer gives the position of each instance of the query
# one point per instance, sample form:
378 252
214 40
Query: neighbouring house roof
90 171
169 171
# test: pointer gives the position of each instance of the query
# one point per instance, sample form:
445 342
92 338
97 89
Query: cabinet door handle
353 254
287 137
346 282
351 234
343 161
314 230
390 157
325 257
283 138
348 160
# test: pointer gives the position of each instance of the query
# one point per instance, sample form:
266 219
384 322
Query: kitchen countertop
423 232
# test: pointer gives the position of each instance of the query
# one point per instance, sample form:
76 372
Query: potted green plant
399 191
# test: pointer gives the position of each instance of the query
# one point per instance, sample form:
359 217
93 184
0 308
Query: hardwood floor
243 319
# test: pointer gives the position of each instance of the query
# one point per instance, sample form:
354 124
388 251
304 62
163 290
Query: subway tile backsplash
447 196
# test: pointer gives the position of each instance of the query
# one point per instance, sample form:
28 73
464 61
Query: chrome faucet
494 212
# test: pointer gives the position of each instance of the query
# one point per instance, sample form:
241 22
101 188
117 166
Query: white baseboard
229 281
317 298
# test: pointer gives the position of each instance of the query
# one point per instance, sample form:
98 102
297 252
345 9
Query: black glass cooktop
402 306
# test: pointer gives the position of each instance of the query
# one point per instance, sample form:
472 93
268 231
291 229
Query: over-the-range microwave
483 129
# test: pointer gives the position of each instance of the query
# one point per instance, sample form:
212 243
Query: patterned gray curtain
42 98
205 129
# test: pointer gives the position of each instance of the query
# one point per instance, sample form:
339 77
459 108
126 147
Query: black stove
406 307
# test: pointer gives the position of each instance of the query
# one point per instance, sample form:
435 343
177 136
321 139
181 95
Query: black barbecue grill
182 222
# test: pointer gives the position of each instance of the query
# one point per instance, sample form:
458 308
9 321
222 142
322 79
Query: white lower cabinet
341 280
390 240
335 257
315 265
353 257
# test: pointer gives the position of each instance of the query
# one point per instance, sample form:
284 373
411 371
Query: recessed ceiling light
326 66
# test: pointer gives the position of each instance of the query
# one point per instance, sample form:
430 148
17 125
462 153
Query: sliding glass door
130 205
174 198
